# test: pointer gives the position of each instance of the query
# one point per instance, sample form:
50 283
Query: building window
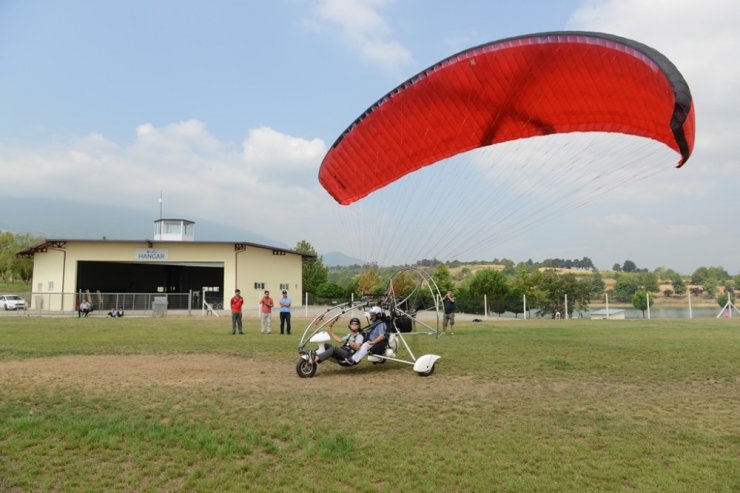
51 286
40 287
284 286
259 285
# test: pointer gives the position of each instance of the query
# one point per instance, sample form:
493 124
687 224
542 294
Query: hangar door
130 277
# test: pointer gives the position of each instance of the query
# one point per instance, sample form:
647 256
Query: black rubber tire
305 369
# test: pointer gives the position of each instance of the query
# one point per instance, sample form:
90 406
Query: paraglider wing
512 89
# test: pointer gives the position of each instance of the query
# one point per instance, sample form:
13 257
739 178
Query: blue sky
228 107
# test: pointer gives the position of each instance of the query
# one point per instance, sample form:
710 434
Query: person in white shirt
350 343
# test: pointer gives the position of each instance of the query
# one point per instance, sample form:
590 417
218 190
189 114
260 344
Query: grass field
179 404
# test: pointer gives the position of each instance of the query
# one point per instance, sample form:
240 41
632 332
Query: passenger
350 343
375 335
85 308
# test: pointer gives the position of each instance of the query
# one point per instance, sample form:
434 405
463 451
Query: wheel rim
305 367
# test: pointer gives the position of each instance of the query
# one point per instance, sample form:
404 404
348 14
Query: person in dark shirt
449 317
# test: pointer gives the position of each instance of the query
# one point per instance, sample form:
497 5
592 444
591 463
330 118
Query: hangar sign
151 254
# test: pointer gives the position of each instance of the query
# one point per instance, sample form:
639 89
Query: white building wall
243 266
259 266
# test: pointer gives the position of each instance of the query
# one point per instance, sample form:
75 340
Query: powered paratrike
412 307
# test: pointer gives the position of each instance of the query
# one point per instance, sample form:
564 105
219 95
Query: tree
527 266
508 269
640 301
648 281
666 273
617 268
329 290
403 283
555 287
515 302
701 274
730 284
7 255
13 267
597 284
679 286
626 287
353 287
527 282
629 266
710 286
492 284
722 299
464 302
369 281
586 263
314 271
442 277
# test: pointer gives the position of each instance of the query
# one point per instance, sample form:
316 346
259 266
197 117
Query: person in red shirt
266 313
236 312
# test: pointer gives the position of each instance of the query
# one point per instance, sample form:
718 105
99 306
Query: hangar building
172 262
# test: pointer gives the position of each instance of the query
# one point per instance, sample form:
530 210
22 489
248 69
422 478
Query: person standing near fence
449 318
266 305
285 303
236 313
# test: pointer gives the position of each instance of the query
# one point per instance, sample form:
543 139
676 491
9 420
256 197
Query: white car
12 302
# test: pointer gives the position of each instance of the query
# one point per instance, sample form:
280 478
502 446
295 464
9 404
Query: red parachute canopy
512 89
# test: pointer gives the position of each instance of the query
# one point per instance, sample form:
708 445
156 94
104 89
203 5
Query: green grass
513 406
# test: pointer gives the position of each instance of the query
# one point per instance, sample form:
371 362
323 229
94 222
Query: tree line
505 284
14 268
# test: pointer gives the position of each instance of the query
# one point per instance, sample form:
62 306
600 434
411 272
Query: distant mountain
332 259
63 219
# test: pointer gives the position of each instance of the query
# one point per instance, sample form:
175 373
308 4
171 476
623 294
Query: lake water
631 313
672 312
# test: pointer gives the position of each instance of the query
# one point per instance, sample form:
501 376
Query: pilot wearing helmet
375 335
350 343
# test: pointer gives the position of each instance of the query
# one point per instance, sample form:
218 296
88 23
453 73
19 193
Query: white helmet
376 310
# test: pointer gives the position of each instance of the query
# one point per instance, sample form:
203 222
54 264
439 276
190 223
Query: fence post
647 298
524 309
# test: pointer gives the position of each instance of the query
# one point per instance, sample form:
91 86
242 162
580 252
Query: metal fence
103 302
157 304
191 303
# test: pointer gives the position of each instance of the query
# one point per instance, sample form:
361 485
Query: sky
227 108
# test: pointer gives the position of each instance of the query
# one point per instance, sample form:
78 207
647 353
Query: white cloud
701 39
200 175
275 157
364 29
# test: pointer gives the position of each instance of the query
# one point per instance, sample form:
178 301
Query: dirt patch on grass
196 370
240 375
274 383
